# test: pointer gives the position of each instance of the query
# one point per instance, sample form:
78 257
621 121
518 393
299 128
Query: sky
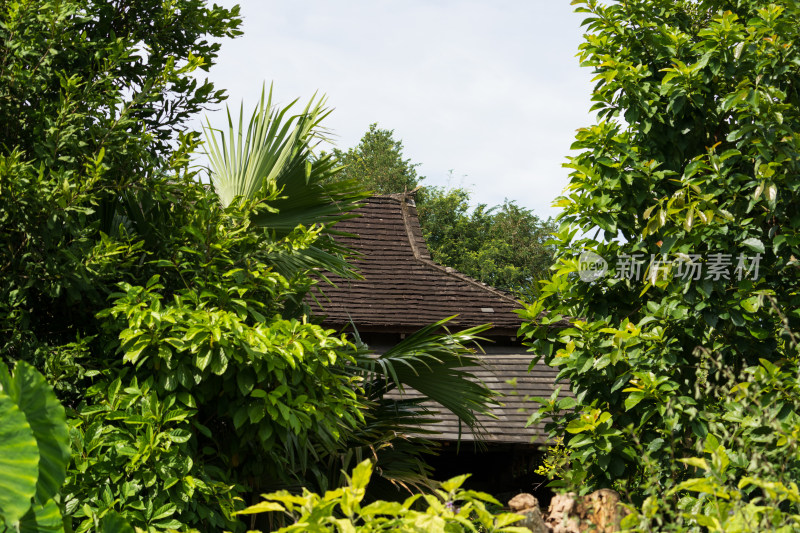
484 95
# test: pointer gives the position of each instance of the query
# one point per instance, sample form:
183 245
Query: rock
522 502
528 506
560 514
598 512
602 510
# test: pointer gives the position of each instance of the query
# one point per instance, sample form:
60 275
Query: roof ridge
450 271
404 288
407 224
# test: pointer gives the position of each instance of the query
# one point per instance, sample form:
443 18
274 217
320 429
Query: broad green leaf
689 220
19 459
754 244
577 426
751 304
454 483
633 399
179 435
42 519
430 523
344 525
772 193
506 519
361 474
382 507
261 507
47 419
697 462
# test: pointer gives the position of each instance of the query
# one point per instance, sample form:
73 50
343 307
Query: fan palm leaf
436 365
272 165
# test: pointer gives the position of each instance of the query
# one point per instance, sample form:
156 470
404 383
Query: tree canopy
377 163
503 246
683 354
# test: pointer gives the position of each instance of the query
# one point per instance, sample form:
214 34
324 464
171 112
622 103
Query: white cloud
490 90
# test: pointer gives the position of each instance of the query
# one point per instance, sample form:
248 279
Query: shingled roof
403 289
505 371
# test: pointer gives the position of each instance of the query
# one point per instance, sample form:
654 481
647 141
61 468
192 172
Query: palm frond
244 162
272 165
435 363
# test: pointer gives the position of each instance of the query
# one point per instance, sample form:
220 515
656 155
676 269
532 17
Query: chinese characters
694 267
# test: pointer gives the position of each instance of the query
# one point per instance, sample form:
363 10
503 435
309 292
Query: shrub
449 508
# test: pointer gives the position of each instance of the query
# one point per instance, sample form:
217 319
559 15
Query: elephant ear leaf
42 519
48 421
19 460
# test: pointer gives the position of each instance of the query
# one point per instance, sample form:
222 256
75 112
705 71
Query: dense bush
168 316
743 475
693 164
449 508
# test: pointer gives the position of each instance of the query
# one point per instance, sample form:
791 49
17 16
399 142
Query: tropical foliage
169 320
449 508
305 187
683 381
435 364
34 451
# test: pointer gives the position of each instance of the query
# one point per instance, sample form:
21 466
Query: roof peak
402 286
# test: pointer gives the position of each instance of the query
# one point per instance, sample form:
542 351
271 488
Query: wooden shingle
404 290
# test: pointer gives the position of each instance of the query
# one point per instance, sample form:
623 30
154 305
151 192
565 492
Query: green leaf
245 379
754 244
180 435
19 459
262 507
382 507
452 484
240 417
113 522
361 474
202 359
667 243
42 519
47 419
689 220
697 462
577 426
751 304
164 511
633 399
567 403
